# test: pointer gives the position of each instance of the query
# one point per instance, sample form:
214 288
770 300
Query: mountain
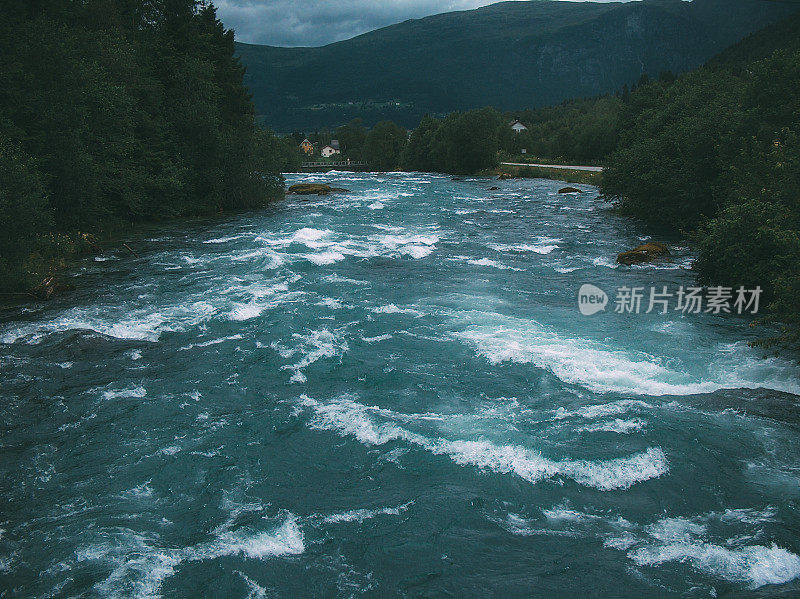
510 55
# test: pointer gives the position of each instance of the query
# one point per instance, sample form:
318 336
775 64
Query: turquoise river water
391 392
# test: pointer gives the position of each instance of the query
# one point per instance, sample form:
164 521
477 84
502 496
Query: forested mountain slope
510 55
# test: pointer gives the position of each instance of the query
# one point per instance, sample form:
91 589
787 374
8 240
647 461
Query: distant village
333 148
327 151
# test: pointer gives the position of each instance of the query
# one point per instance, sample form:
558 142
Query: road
593 169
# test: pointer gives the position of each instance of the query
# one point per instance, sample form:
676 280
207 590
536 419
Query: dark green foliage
717 153
461 143
419 153
577 131
669 162
352 138
24 212
383 146
467 142
118 111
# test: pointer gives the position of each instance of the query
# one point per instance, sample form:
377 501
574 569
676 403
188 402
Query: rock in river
644 253
314 189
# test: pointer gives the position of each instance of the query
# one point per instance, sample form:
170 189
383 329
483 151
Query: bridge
348 165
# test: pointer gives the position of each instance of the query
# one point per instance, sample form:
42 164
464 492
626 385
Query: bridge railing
340 163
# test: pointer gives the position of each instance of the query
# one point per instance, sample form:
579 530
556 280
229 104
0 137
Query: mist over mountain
510 55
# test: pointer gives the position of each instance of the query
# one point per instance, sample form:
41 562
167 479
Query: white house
518 127
331 149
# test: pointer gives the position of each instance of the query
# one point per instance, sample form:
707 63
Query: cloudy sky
319 22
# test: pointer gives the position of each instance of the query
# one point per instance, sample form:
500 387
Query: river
391 392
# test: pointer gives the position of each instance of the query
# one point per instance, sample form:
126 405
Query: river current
391 392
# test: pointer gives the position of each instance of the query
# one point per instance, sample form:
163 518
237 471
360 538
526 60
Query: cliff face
510 55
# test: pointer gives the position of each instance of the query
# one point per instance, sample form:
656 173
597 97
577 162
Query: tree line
458 143
473 141
380 147
117 111
715 154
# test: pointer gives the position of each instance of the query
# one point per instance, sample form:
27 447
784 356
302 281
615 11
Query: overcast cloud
320 22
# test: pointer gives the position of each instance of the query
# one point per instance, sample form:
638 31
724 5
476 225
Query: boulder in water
504 176
494 188
644 253
569 190
321 189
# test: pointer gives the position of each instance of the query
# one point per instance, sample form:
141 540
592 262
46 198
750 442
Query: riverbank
553 173
43 273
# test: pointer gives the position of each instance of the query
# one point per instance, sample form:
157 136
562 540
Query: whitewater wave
309 237
618 425
415 245
331 247
274 259
675 540
128 393
360 515
545 245
686 540
336 278
602 369
613 408
259 298
313 346
144 324
347 417
211 342
605 262
324 258
491 263
139 567
226 239
393 309
376 339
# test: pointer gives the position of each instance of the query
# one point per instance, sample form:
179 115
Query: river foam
139 567
600 368
682 540
674 541
264 402
348 417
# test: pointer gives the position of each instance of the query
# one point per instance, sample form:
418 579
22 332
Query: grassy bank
556 174
561 161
